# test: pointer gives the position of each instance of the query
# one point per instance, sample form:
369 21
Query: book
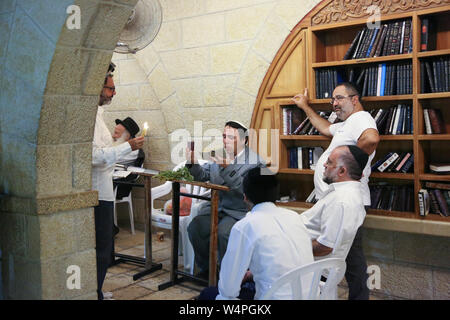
441 202
300 126
440 168
436 121
426 118
403 161
434 205
408 165
374 35
363 33
430 76
424 35
299 158
437 185
377 41
381 42
353 45
424 202
388 162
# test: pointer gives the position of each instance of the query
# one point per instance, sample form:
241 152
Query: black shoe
203 275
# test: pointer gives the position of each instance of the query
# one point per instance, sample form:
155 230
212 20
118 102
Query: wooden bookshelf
320 41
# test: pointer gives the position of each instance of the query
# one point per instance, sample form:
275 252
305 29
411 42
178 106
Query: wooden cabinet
320 41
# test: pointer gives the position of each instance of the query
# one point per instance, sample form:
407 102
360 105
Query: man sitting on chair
268 242
333 221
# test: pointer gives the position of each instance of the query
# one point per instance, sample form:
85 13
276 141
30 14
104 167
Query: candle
144 132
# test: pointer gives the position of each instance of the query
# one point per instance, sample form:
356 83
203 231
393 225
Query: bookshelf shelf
389 175
305 137
396 137
433 53
432 137
321 44
391 58
434 177
296 171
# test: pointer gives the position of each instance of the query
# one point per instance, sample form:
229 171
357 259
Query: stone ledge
47 205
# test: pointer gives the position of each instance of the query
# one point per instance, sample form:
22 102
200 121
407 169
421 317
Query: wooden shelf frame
314 28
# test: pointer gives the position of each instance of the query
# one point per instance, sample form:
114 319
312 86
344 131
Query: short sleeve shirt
346 133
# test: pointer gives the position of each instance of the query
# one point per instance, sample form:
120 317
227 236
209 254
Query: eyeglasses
110 88
339 98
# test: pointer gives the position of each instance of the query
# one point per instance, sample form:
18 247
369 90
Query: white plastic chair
305 289
162 220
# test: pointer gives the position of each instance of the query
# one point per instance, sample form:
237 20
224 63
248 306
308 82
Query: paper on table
121 174
142 170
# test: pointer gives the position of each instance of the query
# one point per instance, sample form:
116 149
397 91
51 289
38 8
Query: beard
120 140
328 180
104 100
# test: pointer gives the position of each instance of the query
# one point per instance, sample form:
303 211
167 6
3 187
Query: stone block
405 280
441 284
7 6
55 275
186 63
173 113
131 72
5 26
84 228
378 244
13 229
148 99
254 18
159 150
189 91
49 15
106 25
126 99
178 9
24 278
32 51
213 118
290 12
422 249
219 5
81 167
228 58
270 38
218 91
71 201
57 234
252 74
71 71
19 173
242 107
169 36
160 82
203 30
147 58
54 170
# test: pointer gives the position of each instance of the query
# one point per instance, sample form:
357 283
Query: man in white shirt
268 242
334 220
104 157
357 128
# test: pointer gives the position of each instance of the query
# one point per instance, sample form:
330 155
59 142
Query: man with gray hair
333 221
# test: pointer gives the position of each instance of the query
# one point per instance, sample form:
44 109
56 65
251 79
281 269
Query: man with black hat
228 171
104 158
124 131
334 220
357 127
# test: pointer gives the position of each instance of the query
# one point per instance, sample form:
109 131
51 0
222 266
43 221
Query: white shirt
104 157
339 214
346 133
269 241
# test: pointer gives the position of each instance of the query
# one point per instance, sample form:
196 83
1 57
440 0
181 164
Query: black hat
130 125
360 156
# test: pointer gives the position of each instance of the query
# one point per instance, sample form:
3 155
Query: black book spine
358 46
423 88
406 36
447 74
387 83
366 77
389 120
430 76
435 72
317 74
393 87
387 40
424 35
408 165
364 44
379 49
350 50
395 39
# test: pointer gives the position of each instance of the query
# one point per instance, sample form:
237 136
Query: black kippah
360 156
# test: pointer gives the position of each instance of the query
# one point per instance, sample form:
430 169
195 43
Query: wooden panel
290 75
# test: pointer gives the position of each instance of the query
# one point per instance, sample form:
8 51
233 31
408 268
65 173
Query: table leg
213 238
175 228
148 222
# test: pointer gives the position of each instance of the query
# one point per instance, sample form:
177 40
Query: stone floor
119 279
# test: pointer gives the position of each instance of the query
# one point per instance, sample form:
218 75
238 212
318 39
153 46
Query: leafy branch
180 174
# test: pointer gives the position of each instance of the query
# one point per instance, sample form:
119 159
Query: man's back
270 241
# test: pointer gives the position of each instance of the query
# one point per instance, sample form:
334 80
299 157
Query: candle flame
144 132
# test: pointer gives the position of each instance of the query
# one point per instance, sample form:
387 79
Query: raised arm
368 141
321 124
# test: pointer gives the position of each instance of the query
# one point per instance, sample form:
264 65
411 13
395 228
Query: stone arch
50 79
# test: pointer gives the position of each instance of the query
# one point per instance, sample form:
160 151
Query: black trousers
356 272
104 241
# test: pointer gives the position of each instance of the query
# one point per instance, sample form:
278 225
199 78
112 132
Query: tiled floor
119 279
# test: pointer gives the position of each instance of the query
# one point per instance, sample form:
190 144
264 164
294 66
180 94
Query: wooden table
146 262
174 272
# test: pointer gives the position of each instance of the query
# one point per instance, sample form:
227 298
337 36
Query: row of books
304 157
326 80
434 121
392 197
394 120
295 123
388 39
400 162
435 75
434 198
